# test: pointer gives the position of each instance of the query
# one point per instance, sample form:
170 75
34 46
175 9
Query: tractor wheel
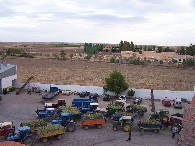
8 134
115 128
127 127
99 126
28 141
59 137
85 127
177 127
44 140
70 127
156 130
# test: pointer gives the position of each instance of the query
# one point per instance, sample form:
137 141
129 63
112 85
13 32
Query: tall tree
62 55
116 83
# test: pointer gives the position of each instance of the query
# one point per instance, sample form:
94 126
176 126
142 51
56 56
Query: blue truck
54 91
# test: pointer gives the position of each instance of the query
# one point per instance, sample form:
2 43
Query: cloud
142 21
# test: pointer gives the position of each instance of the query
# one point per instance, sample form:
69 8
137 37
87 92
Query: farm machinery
163 116
46 132
92 119
47 114
34 124
23 135
149 125
66 121
6 129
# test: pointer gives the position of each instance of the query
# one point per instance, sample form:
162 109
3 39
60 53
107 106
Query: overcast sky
155 22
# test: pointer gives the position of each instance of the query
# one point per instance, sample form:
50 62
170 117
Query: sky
145 22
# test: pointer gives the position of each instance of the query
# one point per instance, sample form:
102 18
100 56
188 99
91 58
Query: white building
181 58
8 74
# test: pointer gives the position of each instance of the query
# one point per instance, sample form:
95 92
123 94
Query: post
152 101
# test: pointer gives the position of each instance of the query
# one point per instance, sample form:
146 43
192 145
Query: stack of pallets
187 134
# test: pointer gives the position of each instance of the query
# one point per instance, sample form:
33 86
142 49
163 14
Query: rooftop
4 67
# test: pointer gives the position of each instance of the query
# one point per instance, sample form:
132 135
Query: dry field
94 73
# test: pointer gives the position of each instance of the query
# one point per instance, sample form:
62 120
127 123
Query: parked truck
54 91
44 133
60 102
94 119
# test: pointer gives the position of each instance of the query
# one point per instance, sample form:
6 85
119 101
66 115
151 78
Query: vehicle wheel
85 127
126 127
177 128
44 140
99 126
8 134
59 137
70 127
115 128
28 141
163 127
142 130
156 130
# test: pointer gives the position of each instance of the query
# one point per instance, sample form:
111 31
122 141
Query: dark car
106 97
137 100
84 94
94 96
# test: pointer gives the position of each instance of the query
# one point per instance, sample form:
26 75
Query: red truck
166 102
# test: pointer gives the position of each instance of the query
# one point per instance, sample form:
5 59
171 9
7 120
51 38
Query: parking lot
21 108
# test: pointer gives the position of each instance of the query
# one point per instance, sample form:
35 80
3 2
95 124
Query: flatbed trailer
86 122
149 126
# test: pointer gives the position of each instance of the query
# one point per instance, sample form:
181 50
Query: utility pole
152 101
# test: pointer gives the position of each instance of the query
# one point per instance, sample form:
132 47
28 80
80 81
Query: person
174 130
129 139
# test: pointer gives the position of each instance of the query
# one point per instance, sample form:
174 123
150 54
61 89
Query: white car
123 97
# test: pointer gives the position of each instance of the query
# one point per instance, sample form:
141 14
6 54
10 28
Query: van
177 103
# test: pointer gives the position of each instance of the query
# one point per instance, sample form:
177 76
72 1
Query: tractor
6 129
47 114
23 135
159 115
123 122
66 121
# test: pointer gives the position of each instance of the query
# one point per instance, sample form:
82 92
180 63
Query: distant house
181 58
108 48
8 73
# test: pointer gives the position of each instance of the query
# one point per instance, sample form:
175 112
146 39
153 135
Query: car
166 102
84 94
67 92
94 96
123 97
106 97
177 103
137 100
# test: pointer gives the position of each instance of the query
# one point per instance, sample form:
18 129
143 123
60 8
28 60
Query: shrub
112 60
131 93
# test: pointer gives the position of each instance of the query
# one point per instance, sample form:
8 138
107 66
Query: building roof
4 67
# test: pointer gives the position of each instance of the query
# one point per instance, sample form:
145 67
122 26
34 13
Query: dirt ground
20 108
94 73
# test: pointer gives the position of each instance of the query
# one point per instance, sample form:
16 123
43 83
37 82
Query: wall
6 82
143 93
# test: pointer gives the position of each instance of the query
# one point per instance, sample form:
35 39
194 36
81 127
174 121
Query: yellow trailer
50 131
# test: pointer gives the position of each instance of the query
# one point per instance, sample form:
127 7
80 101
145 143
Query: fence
143 93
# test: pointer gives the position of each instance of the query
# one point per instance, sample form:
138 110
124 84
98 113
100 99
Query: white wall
6 82
143 93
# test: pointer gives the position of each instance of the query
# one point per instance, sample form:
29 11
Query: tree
116 83
131 93
160 49
62 54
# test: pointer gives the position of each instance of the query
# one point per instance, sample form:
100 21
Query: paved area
20 108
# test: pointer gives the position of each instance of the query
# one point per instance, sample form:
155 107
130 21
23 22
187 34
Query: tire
85 127
70 127
114 128
8 134
28 141
127 127
177 127
156 130
44 140
99 126
59 137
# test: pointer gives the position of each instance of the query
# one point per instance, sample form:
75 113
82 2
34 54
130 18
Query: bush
131 93
161 61
189 63
112 60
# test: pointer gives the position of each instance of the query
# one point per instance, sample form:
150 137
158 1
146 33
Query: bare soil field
94 73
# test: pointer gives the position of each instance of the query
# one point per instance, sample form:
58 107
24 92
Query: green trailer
112 108
149 125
